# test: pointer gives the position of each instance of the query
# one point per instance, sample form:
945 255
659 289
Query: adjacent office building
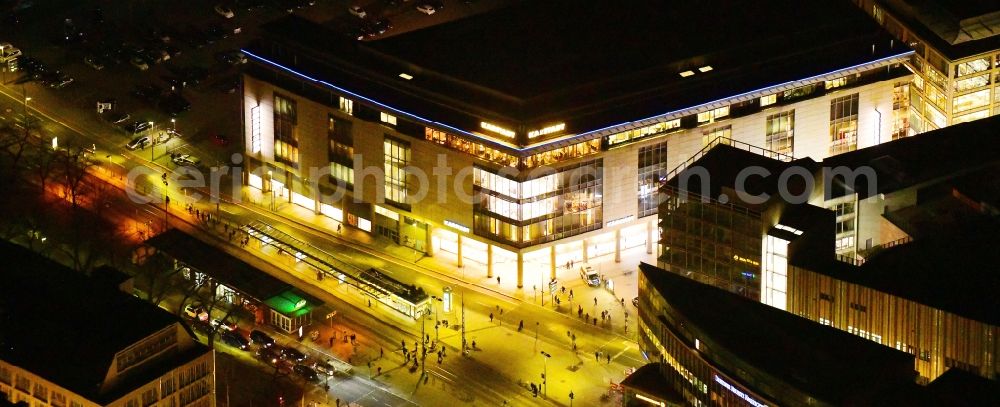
897 248
70 341
712 347
956 63
486 141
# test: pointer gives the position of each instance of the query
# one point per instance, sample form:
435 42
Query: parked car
224 11
149 93
224 325
306 372
269 354
261 338
174 104
232 57
357 11
119 118
426 8
293 354
220 140
185 160
139 63
137 126
381 26
194 311
138 143
93 62
234 339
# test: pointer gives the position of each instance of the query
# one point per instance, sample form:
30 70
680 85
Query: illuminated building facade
921 282
67 340
493 160
714 348
956 63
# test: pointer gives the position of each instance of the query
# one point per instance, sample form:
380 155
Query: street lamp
152 145
166 203
436 322
270 187
24 94
545 374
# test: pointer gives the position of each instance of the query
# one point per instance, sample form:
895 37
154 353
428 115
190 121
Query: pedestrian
381 352
338 402
586 317
520 326
338 228
579 311
331 339
623 301
609 358
491 317
369 365
501 312
498 280
595 321
595 300
597 356
379 370
402 344
473 344
369 303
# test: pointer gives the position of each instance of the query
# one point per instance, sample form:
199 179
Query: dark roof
590 66
66 327
957 28
944 152
649 380
824 362
223 267
110 276
957 387
723 163
954 272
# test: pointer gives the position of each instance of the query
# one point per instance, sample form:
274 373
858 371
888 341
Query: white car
224 11
226 326
426 9
139 63
357 11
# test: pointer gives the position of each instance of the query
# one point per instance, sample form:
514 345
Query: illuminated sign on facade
547 130
619 221
739 393
496 129
746 260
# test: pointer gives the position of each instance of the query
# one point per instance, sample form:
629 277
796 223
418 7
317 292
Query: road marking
623 351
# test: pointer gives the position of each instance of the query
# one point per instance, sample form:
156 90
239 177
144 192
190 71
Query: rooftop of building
821 361
228 269
957 28
67 328
648 379
946 152
538 62
953 271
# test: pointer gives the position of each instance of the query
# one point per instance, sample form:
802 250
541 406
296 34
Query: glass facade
397 158
779 132
844 124
469 147
555 156
900 111
717 244
652 169
286 139
643 132
556 204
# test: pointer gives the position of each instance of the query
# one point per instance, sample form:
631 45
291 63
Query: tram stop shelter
236 282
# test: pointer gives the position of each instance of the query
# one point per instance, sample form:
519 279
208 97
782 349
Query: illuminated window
779 132
346 105
718 135
387 118
643 132
768 100
972 67
971 101
972 82
836 83
845 226
338 133
652 169
343 173
713 115
397 158
844 124
469 147
286 138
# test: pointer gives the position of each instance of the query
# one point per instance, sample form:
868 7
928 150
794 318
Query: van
589 275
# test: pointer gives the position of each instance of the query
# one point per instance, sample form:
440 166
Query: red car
220 140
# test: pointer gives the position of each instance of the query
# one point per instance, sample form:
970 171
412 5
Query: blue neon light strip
580 135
